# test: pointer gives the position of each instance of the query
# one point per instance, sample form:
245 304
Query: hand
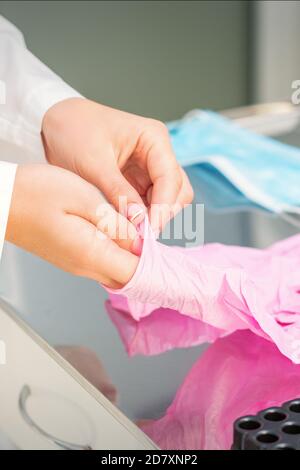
60 217
120 153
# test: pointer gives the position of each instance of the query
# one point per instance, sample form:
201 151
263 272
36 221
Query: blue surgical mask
216 192
263 171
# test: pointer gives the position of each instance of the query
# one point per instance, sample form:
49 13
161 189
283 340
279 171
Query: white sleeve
7 178
27 90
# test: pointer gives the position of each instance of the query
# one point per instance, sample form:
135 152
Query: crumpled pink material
236 376
180 297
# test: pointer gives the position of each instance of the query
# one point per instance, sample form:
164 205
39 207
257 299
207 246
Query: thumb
117 190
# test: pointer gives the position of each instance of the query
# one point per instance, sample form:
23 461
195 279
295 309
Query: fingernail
137 246
135 214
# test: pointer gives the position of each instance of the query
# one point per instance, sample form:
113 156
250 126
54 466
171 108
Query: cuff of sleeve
37 104
7 179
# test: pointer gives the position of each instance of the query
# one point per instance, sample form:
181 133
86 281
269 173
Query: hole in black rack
295 407
267 437
291 428
283 447
249 424
274 415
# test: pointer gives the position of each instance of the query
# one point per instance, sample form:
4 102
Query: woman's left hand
128 157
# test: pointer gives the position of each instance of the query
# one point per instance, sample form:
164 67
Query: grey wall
158 58
276 49
154 58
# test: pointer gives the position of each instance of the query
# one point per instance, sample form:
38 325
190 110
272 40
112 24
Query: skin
120 153
53 215
93 150
58 213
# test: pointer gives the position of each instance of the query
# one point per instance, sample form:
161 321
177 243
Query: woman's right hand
65 220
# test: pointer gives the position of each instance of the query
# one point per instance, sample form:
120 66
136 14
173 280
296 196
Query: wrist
55 121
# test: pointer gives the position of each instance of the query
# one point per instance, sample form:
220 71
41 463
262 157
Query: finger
149 195
92 255
109 259
185 197
164 195
186 193
118 228
93 207
164 173
135 214
115 187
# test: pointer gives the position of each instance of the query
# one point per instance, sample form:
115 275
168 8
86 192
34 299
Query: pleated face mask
216 192
265 171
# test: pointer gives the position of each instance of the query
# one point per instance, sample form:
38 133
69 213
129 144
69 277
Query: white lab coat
27 90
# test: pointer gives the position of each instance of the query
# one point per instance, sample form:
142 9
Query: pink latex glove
185 296
238 375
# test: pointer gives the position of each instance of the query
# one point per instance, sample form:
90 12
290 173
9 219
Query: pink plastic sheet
179 297
237 375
